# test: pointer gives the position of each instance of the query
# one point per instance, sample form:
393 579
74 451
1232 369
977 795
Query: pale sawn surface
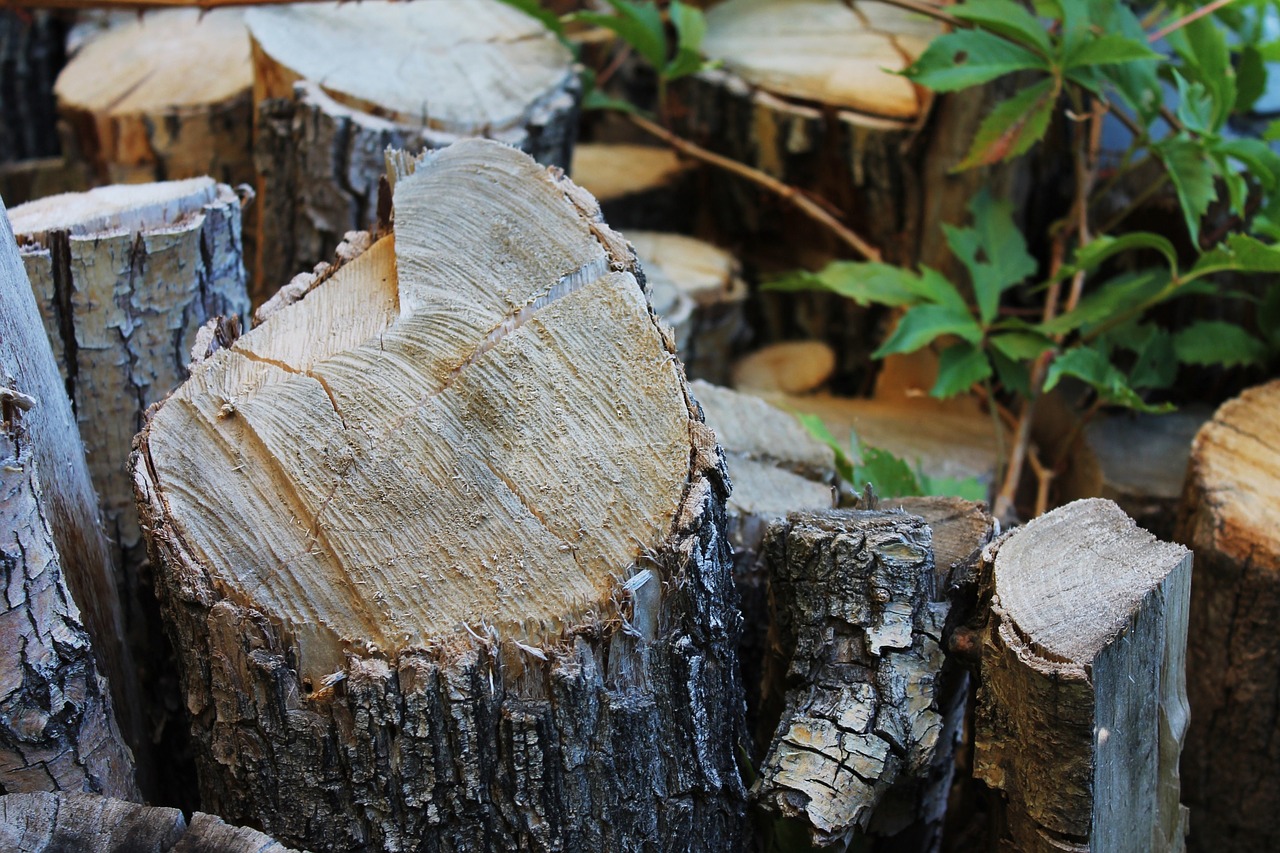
1082 709
422 444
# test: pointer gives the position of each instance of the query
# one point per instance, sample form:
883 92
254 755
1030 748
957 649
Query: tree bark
336 85
1230 515
855 619
1082 703
638 186
32 50
36 823
450 561
58 727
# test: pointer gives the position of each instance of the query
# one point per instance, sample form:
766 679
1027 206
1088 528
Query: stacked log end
1230 517
337 84
442 543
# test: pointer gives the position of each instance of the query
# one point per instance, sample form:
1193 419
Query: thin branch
1044 479
1207 9
805 204
927 9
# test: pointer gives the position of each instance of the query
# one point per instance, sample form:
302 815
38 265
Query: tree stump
337 84
442 543
32 49
124 276
57 724
1230 517
1082 704
638 186
37 823
697 289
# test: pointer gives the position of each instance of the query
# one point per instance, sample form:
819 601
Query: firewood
1230 516
638 186
1082 705
60 625
336 84
443 542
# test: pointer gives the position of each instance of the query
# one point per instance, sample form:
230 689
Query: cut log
32 50
124 276
1082 704
1230 517
57 724
39 823
337 84
855 620
163 97
638 186
466 564
697 289
793 367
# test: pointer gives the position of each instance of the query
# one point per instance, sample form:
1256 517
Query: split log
37 823
1082 704
124 277
163 97
442 543
1230 517
855 621
58 728
697 289
337 84
638 186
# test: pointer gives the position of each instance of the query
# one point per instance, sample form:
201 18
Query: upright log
1082 704
58 728
1230 517
465 582
638 186
336 84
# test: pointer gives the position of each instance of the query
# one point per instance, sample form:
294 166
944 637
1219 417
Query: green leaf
968 488
1269 315
1123 294
1263 163
1008 19
1012 126
873 283
1092 367
690 26
1136 83
1206 57
970 58
1195 107
1013 375
535 9
1251 78
1157 364
1193 177
993 250
1092 255
1020 346
1214 342
960 366
888 475
1241 253
818 429
638 24
923 324
1110 49
595 99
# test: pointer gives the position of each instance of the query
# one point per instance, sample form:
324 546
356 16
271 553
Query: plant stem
1154 187
1207 9
927 9
805 204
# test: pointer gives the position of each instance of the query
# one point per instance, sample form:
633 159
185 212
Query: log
32 49
638 186
1082 704
36 823
442 543
337 84
791 367
855 622
698 290
163 97
58 728
1230 516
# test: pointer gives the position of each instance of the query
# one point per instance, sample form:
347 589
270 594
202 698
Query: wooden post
337 84
443 543
57 724
1230 517
1082 704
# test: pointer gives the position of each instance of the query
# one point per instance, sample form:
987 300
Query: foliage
888 475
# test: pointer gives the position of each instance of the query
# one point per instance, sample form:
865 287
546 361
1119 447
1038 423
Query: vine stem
1207 9
801 201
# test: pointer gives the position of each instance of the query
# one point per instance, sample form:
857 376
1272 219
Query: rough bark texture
56 540
32 50
638 186
1230 517
855 617
610 724
319 149
43 823
1082 705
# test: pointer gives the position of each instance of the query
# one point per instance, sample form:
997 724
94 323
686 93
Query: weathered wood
1082 703
697 289
57 724
41 823
337 84
856 622
467 566
1230 517
638 186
